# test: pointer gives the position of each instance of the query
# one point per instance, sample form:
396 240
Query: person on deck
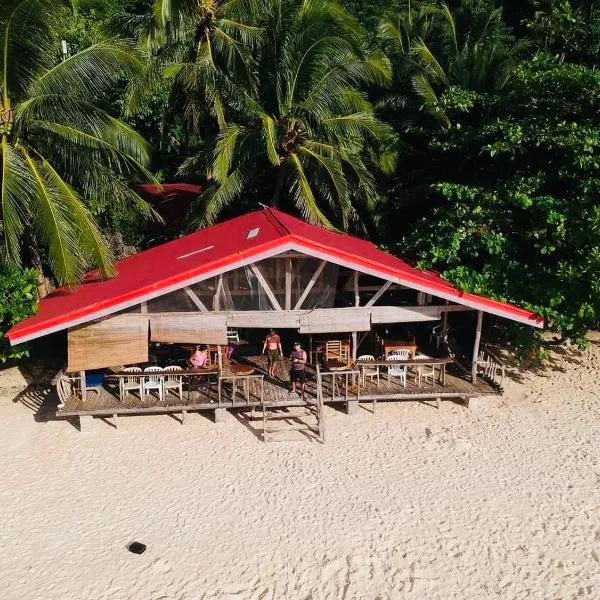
199 357
298 370
273 347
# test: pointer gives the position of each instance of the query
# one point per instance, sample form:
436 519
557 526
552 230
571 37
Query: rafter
382 290
310 285
266 287
198 303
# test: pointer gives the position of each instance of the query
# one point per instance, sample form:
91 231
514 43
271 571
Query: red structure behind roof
229 245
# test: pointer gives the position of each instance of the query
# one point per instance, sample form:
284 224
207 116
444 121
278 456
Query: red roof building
236 243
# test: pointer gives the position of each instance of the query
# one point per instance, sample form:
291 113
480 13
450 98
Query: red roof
226 246
172 201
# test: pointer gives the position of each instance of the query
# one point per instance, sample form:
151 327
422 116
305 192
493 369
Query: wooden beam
356 290
288 284
265 286
144 307
197 302
310 285
216 302
476 346
83 384
382 290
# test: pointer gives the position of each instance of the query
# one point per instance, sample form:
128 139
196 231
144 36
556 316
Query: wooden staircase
292 417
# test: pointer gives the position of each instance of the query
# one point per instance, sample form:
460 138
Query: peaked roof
226 246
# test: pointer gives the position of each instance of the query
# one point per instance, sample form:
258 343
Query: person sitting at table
298 370
273 347
199 357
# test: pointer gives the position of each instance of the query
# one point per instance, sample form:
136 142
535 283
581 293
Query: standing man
273 347
298 370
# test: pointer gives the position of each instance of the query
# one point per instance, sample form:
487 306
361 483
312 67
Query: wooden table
428 361
243 373
390 345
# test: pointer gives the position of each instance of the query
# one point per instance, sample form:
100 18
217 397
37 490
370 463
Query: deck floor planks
276 393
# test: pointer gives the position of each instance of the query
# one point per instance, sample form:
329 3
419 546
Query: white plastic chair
371 372
130 382
397 371
172 381
404 354
152 381
233 335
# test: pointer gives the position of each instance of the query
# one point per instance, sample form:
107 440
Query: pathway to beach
498 501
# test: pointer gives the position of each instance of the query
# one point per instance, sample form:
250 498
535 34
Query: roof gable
229 245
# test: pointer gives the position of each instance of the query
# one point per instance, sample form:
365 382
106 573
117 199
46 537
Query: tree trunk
35 260
278 186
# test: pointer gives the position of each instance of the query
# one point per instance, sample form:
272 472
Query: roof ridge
277 223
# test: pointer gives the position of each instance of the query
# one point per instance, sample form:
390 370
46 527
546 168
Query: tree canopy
461 134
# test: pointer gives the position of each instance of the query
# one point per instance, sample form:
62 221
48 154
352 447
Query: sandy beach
497 501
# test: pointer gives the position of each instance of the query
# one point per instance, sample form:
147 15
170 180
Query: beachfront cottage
374 327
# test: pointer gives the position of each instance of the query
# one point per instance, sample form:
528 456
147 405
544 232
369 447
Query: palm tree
59 152
200 45
439 47
306 127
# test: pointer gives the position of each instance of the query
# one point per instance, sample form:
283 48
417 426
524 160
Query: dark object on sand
137 547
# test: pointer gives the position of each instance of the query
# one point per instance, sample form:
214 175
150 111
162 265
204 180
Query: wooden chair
424 372
371 372
398 371
153 381
334 350
173 381
130 382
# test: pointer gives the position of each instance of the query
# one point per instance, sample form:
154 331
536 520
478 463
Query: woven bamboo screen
336 320
188 328
111 342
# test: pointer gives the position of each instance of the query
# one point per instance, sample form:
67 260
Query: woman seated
199 357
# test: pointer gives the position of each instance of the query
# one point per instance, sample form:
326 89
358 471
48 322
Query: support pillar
85 423
476 347
220 415
352 407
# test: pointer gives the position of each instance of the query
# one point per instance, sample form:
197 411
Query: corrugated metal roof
226 246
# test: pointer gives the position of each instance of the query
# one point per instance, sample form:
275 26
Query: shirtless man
273 347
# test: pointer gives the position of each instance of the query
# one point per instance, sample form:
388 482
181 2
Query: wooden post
83 386
288 284
476 347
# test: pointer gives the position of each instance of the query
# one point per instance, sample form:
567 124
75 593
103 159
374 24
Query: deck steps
304 417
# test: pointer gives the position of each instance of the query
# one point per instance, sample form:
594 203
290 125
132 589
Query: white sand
498 501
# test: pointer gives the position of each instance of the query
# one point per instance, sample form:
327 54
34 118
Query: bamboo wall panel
188 328
111 342
336 320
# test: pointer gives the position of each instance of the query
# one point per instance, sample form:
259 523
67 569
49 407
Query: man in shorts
273 347
298 370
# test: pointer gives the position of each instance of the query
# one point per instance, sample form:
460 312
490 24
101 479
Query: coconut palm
59 152
303 132
199 45
468 46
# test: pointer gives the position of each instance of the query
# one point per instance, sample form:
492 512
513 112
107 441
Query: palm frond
303 194
16 189
217 198
224 152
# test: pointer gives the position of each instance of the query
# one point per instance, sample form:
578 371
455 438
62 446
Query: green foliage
59 152
18 300
520 219
303 132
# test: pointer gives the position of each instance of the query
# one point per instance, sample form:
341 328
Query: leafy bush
18 300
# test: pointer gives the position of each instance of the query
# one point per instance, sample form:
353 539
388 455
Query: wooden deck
107 402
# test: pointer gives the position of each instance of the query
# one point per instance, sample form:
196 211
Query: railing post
476 347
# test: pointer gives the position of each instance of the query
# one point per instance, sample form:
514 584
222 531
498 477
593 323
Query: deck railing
490 367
